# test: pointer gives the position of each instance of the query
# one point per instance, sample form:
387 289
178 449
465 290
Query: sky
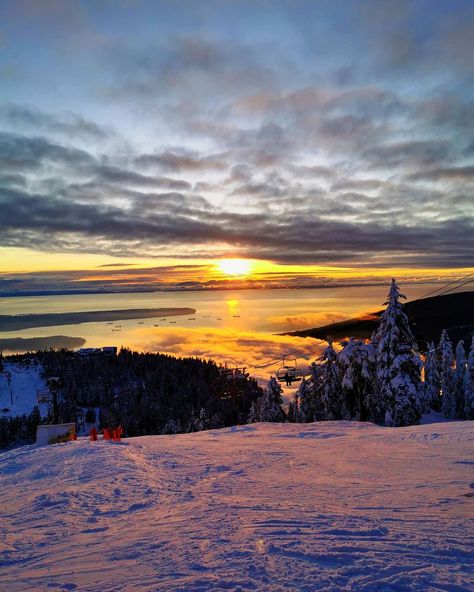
326 142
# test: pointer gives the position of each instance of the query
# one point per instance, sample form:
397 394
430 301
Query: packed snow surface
326 506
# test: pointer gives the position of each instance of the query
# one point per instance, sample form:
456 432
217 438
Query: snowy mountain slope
19 385
327 506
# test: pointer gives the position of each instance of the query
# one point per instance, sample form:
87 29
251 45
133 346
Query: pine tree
293 409
357 363
432 379
331 388
459 376
448 402
305 399
272 401
172 427
469 385
398 366
217 421
254 415
203 421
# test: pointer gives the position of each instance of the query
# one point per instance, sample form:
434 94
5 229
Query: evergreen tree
172 427
217 421
193 424
331 388
203 421
398 366
432 379
357 363
271 403
316 383
469 385
305 399
459 376
293 414
254 415
448 402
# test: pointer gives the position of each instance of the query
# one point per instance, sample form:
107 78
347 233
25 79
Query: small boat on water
116 329
156 325
140 322
219 318
236 316
192 319
111 323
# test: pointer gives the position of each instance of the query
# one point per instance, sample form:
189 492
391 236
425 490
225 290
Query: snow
332 506
21 382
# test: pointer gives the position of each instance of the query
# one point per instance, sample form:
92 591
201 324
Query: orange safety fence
114 434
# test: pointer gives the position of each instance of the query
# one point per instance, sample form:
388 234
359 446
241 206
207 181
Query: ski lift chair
289 372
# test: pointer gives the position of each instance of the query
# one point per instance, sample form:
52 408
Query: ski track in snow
329 506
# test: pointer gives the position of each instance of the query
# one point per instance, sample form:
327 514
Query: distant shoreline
30 344
36 293
29 321
429 316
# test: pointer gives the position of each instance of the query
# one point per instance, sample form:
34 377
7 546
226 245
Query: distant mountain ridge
428 317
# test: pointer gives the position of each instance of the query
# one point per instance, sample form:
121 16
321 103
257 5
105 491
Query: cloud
121 176
299 236
224 346
449 173
275 142
180 162
25 153
408 154
69 124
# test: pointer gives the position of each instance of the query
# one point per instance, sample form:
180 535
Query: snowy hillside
327 506
20 384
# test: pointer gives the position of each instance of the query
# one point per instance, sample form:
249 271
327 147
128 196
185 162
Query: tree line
146 393
383 380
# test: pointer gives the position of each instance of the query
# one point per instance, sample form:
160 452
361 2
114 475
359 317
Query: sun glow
234 266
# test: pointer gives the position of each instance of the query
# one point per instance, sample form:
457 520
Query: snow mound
326 506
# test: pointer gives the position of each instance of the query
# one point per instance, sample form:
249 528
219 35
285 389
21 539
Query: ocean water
234 327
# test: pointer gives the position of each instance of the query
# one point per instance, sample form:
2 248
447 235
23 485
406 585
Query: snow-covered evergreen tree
448 402
193 423
217 421
203 420
331 384
254 415
357 363
172 427
271 402
469 385
398 365
293 409
305 400
459 375
432 383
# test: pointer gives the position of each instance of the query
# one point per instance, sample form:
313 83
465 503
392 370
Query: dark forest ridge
27 321
428 317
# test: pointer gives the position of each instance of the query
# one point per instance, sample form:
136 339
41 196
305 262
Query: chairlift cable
312 349
443 287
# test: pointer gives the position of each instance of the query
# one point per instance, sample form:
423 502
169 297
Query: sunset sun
234 267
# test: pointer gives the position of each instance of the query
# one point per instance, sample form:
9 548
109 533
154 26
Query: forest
384 380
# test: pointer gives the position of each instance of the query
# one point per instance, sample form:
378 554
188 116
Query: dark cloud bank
333 161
